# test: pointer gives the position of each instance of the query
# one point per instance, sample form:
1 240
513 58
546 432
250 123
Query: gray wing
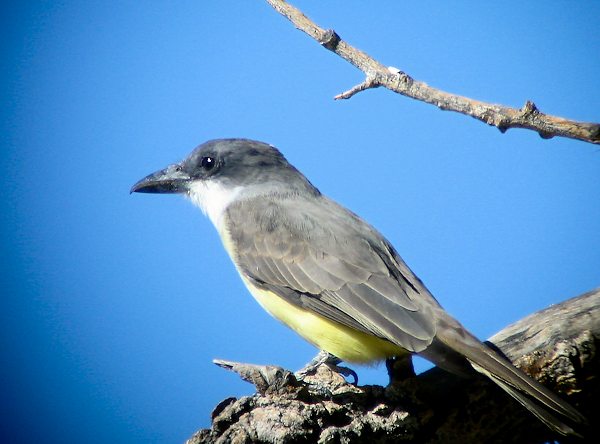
322 257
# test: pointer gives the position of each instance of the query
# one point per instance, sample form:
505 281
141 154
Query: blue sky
113 306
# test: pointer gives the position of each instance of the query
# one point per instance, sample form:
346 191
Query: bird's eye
207 163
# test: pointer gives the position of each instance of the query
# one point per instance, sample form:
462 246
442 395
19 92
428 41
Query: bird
329 275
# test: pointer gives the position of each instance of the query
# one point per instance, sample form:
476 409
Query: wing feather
411 323
287 276
388 288
307 285
320 256
326 281
343 270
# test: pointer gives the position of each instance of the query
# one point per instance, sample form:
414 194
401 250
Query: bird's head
221 171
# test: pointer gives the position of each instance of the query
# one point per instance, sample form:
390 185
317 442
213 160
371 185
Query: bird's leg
400 368
329 360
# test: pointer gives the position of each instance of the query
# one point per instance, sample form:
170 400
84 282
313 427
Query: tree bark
557 346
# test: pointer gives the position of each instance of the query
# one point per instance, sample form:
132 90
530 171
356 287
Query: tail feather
543 403
540 412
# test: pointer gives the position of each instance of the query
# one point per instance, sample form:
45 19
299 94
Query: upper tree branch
500 116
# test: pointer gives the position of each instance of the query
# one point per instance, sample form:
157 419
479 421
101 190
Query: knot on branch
530 113
529 109
394 79
329 39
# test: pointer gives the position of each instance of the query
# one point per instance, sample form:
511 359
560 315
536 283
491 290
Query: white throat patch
213 199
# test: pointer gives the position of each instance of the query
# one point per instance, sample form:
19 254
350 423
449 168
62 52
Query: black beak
170 180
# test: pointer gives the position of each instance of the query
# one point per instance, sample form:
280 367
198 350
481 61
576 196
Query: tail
556 413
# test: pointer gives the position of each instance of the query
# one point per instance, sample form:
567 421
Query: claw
329 360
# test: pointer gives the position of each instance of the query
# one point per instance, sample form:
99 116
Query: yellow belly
346 343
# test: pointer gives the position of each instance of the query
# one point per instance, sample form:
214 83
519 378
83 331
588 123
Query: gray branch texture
557 346
500 116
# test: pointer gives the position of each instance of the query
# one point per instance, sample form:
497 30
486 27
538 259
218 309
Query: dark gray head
221 171
231 162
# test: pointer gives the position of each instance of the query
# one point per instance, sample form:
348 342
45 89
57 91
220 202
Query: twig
502 117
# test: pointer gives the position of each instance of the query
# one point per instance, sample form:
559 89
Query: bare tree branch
502 117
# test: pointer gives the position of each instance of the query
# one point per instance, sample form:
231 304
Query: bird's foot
330 361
